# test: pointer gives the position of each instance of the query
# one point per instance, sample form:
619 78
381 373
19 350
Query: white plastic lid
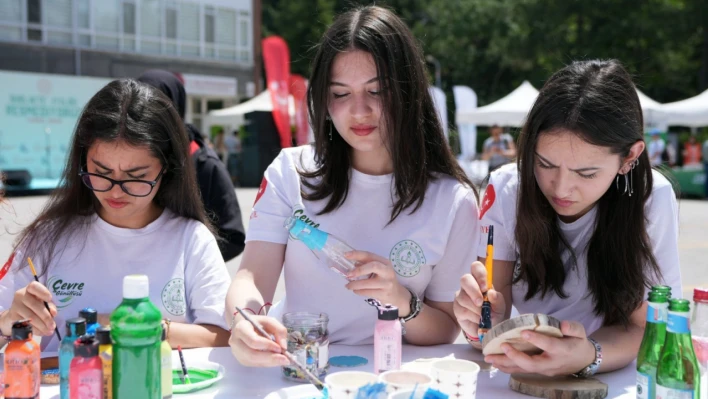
136 286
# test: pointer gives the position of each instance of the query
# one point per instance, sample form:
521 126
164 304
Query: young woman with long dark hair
127 204
380 176
582 227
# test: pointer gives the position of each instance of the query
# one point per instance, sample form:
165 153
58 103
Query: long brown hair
597 101
414 138
141 116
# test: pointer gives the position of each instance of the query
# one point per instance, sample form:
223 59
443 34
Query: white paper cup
406 394
455 377
401 380
346 384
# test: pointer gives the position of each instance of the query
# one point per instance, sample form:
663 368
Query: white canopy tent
653 111
692 112
234 116
508 111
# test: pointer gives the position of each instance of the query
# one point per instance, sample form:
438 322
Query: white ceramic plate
297 392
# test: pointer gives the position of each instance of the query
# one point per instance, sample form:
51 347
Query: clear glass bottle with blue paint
326 247
91 317
75 328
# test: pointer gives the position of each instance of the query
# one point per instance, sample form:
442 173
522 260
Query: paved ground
693 240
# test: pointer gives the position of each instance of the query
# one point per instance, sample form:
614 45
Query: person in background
220 145
233 147
217 190
691 152
499 149
656 148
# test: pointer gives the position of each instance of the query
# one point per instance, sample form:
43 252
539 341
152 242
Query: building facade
209 42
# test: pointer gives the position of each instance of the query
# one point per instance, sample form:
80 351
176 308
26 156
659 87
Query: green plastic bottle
653 341
678 375
136 329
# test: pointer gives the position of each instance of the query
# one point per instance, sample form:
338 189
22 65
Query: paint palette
202 375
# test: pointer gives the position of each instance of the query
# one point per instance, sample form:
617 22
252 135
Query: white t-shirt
433 247
187 275
499 209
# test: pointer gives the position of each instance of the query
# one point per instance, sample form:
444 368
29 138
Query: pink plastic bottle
86 372
387 340
699 333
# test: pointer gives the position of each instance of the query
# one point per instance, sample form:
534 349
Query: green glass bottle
136 329
653 341
662 288
678 376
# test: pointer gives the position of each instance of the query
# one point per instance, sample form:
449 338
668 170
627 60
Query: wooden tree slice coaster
509 331
564 387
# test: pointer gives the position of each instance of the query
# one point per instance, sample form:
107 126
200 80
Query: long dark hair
414 136
141 116
597 101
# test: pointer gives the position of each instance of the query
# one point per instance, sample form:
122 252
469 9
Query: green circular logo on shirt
407 258
173 298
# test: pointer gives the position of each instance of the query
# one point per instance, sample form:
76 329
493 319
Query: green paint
198 379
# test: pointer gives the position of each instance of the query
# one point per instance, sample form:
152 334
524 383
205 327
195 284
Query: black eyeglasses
136 188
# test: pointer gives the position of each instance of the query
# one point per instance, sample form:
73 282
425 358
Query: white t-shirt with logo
499 209
187 275
429 249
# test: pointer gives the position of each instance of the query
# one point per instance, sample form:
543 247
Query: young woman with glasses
127 204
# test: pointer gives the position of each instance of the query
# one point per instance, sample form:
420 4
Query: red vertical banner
276 59
298 89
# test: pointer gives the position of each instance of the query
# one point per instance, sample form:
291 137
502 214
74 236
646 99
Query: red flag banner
276 59
298 89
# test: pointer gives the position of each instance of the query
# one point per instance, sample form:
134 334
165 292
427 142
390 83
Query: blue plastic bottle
75 328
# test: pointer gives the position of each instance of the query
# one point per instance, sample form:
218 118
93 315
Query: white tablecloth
245 383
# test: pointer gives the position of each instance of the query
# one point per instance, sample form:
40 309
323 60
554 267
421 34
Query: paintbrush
46 305
485 321
185 375
313 379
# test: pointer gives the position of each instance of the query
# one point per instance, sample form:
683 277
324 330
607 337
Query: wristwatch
595 365
416 306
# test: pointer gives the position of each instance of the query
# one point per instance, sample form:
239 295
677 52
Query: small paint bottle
91 317
86 375
166 357
105 352
22 365
387 340
75 328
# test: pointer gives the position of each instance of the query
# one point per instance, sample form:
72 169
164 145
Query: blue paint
348 361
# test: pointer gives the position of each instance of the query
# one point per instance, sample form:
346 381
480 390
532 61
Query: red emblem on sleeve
6 266
488 200
261 190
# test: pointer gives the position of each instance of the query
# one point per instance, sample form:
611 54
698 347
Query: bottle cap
136 286
700 295
21 330
103 335
90 315
76 327
86 346
388 312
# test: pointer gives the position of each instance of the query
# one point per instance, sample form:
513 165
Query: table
245 383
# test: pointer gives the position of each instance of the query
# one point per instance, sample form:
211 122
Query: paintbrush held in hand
46 305
313 379
485 321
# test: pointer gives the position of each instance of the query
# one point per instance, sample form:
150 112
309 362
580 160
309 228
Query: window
226 20
244 31
83 14
189 22
150 26
171 23
34 11
58 13
129 18
209 28
106 16
10 10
